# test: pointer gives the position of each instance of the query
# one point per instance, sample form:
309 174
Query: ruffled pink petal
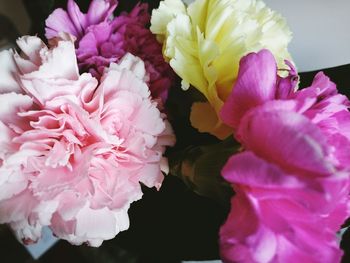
12 103
96 224
63 58
44 90
18 207
8 73
32 48
152 176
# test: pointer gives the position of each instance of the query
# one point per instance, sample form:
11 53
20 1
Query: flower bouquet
111 105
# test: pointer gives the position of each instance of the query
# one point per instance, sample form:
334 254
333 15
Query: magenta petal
248 169
287 85
273 183
240 202
74 21
77 17
320 89
286 138
100 10
87 46
101 31
324 84
58 22
243 238
268 223
307 252
256 84
342 144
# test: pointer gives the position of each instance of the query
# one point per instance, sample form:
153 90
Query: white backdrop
321 31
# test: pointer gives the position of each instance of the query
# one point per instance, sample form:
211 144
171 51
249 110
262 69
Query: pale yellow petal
162 16
198 11
210 123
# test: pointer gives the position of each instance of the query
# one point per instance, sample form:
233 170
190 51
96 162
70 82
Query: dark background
167 226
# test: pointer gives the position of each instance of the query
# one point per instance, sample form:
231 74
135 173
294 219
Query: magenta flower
292 180
74 151
102 39
259 87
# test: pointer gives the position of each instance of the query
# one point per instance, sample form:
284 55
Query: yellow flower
205 41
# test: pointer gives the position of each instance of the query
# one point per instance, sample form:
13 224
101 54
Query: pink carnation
102 39
292 182
74 151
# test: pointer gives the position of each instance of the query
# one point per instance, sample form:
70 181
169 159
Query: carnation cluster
84 125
